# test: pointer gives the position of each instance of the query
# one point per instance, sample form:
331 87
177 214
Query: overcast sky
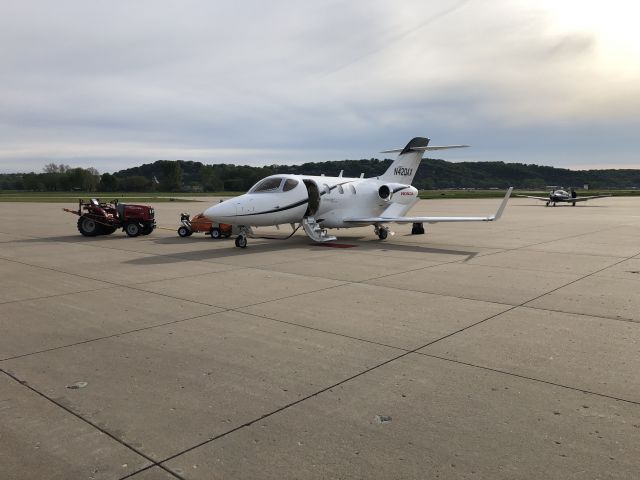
113 84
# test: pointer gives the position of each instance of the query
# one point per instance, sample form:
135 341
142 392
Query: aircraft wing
544 199
584 199
394 219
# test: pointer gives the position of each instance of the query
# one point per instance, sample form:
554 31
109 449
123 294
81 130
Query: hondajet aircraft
319 203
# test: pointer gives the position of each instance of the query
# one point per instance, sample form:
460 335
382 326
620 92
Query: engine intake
384 192
398 192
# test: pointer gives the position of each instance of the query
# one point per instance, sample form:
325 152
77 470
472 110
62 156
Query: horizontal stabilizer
424 149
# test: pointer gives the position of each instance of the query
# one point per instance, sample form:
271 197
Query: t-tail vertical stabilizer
404 168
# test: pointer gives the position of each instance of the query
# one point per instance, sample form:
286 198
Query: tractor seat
120 207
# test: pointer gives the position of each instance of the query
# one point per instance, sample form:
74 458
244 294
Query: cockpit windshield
290 184
269 184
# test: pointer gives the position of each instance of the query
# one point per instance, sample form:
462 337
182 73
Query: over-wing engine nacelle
397 192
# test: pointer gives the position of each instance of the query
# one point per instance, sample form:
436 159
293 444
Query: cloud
117 84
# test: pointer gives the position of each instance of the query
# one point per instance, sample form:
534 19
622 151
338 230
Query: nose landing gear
241 239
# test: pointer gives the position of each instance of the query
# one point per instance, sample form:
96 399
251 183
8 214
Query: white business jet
319 203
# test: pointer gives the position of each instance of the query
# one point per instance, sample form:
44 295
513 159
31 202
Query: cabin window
290 184
269 184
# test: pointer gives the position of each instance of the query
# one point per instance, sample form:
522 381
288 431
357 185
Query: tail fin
404 168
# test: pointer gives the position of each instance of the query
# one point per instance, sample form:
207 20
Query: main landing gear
417 229
381 232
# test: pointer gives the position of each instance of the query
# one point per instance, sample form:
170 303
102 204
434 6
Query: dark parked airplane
558 195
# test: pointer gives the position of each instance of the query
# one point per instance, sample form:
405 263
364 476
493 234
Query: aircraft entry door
314 197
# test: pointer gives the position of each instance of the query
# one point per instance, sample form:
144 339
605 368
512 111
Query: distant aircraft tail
404 168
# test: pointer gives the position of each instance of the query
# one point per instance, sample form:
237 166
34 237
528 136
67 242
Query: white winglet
503 205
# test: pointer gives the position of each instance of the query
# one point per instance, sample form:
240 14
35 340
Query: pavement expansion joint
44 297
294 324
119 334
322 390
527 377
89 422
578 279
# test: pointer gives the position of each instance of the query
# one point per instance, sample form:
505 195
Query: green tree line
181 175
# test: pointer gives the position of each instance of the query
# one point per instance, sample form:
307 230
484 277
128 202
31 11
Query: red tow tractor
101 218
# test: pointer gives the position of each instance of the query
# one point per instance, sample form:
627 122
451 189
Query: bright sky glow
116 84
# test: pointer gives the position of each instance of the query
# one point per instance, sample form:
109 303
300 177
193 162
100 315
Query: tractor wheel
216 233
88 227
146 229
132 229
184 232
107 229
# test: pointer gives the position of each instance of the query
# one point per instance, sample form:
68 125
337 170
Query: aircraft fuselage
329 199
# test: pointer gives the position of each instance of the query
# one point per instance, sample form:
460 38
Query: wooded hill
180 175
432 174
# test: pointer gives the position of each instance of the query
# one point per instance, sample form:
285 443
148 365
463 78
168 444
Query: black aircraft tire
241 241
382 234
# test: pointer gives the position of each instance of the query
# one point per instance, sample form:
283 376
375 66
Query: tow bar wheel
215 233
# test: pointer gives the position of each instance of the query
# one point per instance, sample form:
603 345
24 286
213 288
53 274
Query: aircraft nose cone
220 211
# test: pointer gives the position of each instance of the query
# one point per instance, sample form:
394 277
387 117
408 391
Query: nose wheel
241 241
243 234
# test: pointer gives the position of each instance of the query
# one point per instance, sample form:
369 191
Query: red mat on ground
335 245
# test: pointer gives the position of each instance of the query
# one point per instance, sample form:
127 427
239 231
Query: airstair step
314 231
